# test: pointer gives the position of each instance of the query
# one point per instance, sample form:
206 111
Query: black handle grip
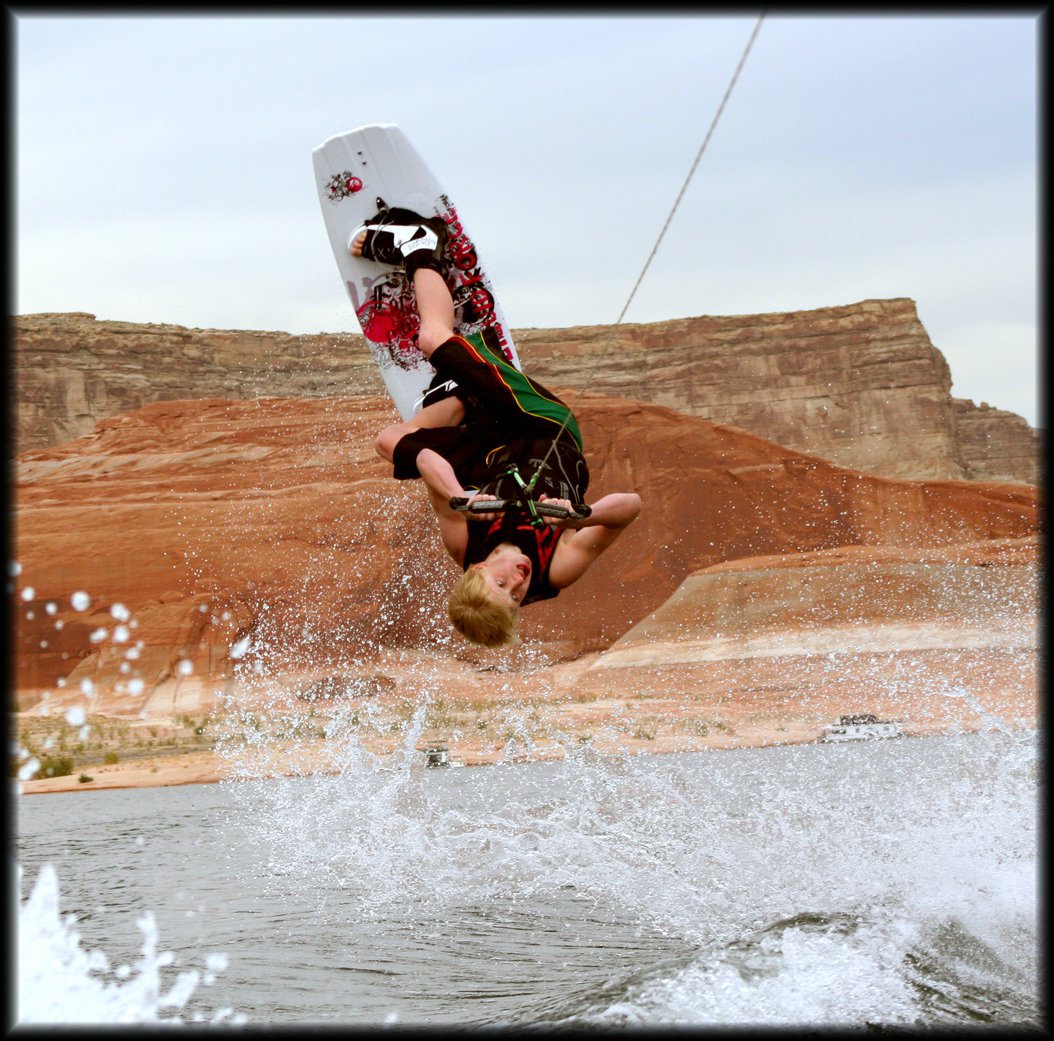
578 511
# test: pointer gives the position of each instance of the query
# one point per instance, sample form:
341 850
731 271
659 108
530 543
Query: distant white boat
439 755
860 728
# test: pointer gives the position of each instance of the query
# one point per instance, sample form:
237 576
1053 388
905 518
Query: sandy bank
209 767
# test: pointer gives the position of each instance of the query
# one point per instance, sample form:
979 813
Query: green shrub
55 766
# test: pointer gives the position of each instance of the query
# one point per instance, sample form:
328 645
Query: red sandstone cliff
270 527
860 384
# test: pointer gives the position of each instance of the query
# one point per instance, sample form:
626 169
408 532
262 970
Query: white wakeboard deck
359 172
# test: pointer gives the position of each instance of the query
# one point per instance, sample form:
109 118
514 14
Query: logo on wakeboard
342 185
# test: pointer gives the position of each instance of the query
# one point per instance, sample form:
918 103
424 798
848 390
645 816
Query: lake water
890 883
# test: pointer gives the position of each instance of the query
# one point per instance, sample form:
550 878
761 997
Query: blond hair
477 615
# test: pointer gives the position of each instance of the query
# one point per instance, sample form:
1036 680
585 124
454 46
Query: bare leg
435 305
446 413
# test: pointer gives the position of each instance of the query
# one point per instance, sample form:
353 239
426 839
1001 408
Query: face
507 572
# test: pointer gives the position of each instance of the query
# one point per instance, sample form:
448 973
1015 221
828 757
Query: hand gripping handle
578 511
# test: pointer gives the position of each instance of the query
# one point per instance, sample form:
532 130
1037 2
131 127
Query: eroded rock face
996 445
842 601
266 534
860 384
73 370
937 637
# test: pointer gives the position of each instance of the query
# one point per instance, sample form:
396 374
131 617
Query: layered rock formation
995 444
73 371
264 537
860 385
930 636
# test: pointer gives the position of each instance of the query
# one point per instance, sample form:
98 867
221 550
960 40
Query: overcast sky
164 166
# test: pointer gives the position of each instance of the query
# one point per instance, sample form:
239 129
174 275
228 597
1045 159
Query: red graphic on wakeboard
388 314
473 301
474 307
390 322
342 185
462 253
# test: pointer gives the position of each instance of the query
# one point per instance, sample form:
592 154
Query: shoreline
483 726
212 768
209 767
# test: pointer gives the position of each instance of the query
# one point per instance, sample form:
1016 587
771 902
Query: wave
887 884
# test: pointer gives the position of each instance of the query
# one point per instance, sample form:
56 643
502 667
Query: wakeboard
359 174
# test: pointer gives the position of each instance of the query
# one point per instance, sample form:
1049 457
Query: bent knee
387 439
431 335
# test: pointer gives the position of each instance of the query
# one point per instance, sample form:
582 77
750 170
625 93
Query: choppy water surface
884 883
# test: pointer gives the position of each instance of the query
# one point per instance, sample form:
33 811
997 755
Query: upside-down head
480 615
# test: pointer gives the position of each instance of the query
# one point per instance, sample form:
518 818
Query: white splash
790 871
60 982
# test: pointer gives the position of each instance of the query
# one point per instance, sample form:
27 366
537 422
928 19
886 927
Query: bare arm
577 550
443 485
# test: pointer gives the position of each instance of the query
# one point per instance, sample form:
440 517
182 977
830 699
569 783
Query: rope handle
578 511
